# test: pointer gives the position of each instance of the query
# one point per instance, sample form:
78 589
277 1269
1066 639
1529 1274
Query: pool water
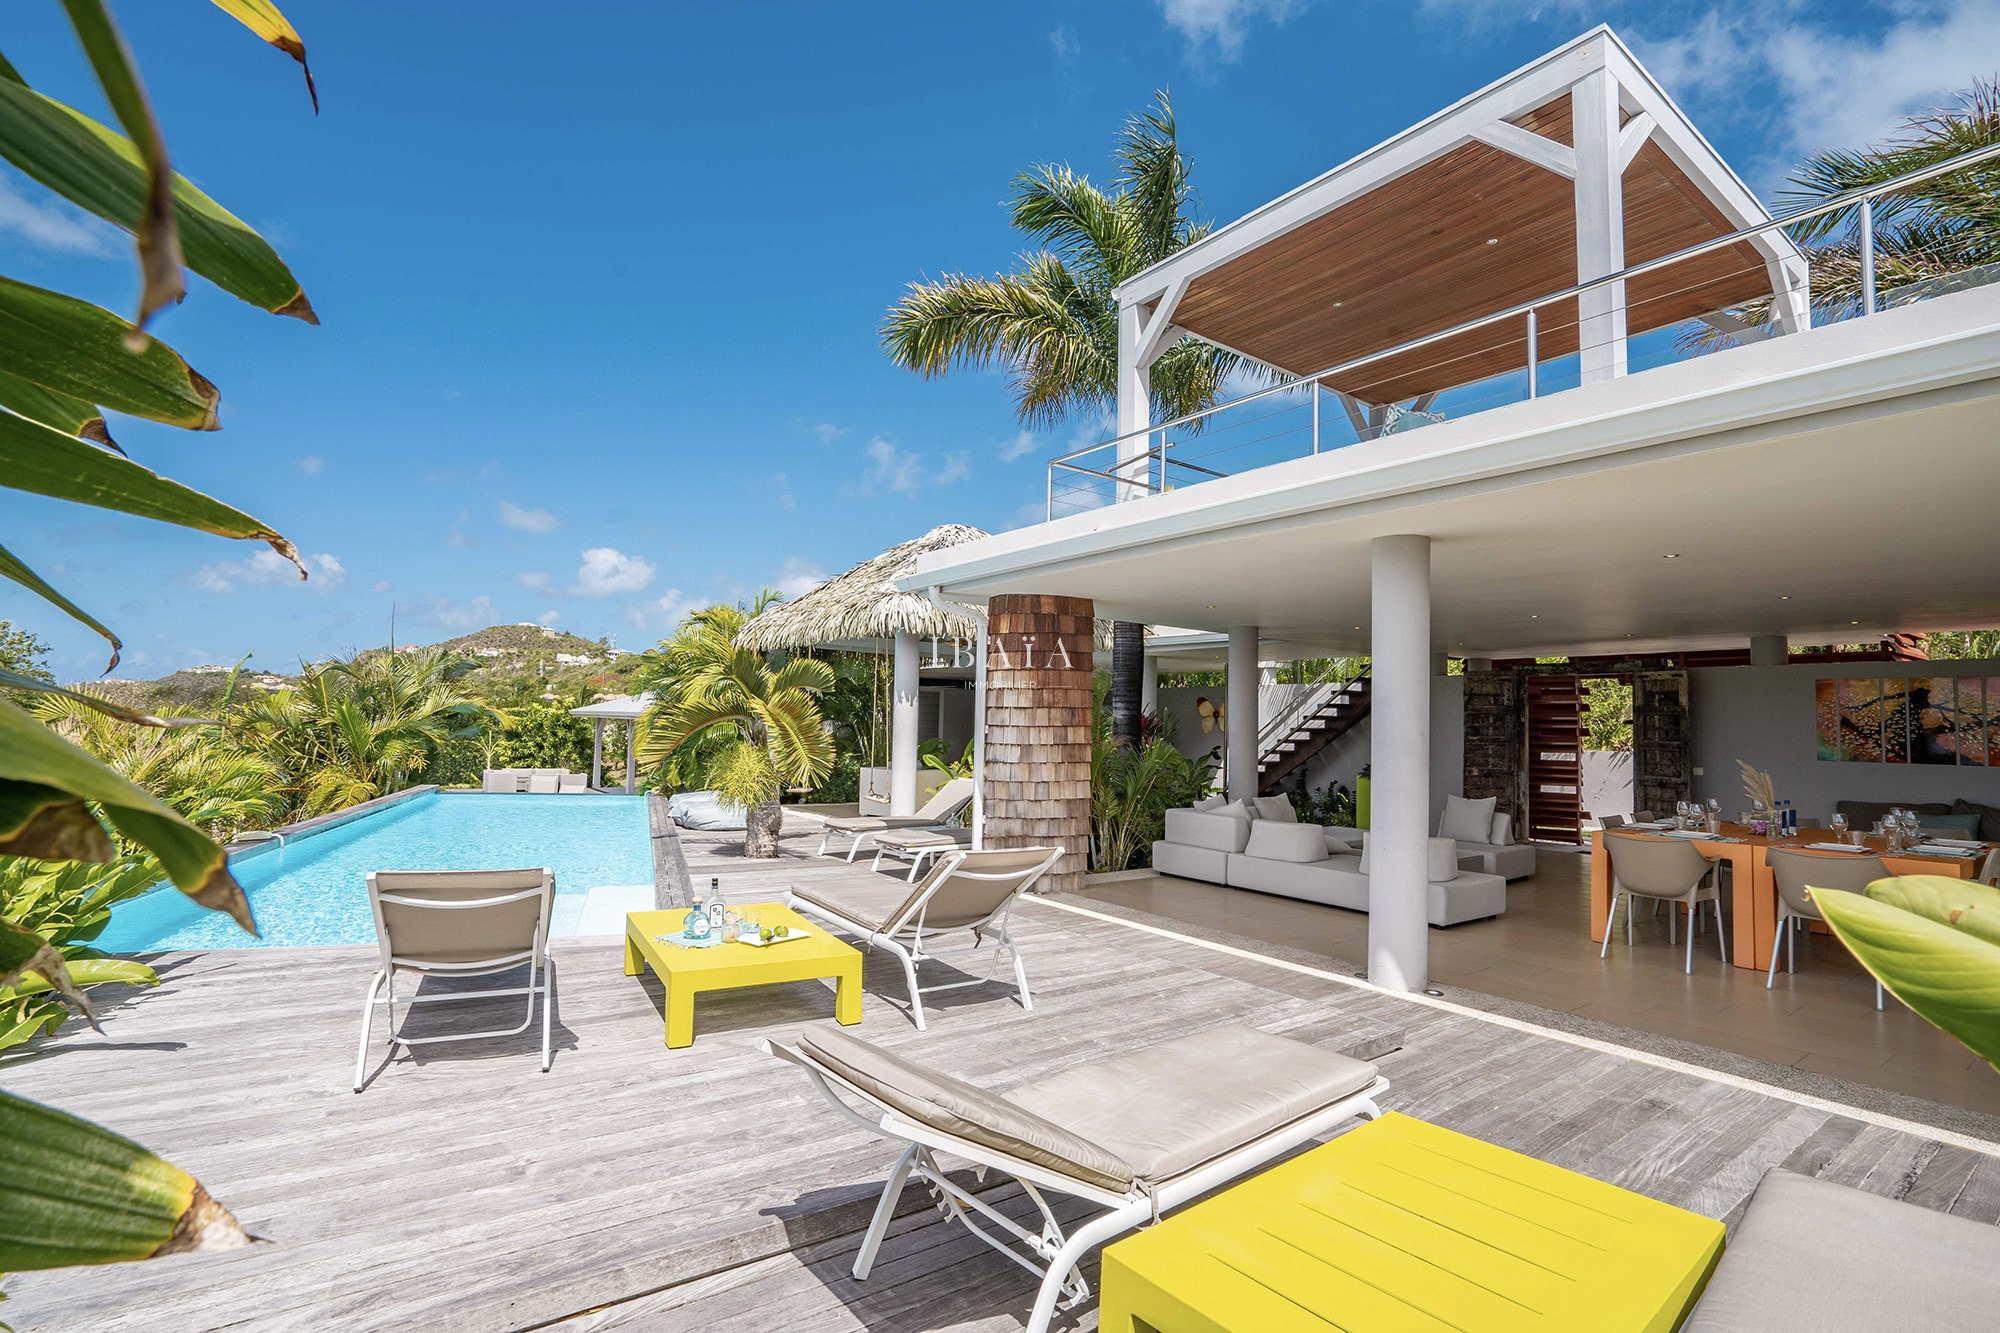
314 890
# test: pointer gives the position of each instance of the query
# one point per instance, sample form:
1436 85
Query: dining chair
1990 872
1642 816
1611 822
1671 870
1799 876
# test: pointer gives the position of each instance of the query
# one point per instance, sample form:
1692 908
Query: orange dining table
1754 888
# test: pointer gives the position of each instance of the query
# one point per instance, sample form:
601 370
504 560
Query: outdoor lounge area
618 1220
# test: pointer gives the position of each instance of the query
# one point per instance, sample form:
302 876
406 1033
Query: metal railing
1130 472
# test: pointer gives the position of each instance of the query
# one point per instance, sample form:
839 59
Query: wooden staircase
1315 729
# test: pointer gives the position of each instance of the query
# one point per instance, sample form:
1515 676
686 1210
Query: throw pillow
1466 821
1208 803
1441 860
1503 829
1278 808
1989 817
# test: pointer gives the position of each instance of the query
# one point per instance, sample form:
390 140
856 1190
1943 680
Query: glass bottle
718 910
696 925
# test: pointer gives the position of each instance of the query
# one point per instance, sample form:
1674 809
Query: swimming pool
314 890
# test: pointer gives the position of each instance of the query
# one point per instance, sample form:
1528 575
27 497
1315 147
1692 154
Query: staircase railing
1307 703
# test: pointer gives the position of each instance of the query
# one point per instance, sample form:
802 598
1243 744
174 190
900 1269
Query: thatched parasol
864 606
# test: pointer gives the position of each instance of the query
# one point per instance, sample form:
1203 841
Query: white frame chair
498 890
906 930
1795 885
1056 1255
1651 871
946 804
917 855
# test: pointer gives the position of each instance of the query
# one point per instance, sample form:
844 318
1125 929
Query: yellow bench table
687 972
1402 1227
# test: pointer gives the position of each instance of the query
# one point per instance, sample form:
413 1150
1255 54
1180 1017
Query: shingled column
1038 704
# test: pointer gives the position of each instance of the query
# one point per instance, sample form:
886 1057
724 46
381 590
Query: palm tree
1945 226
1054 321
367 726
758 725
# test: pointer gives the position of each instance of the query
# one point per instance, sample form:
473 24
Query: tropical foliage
63 364
1933 942
66 903
1132 787
732 720
366 726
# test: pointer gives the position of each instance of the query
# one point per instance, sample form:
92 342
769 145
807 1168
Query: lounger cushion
1172 1107
869 901
958 1108
1811 1254
1275 841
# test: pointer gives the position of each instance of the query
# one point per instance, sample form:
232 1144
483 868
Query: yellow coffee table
687 972
1403 1227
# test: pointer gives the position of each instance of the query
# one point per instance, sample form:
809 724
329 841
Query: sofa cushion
1989 817
1275 841
1217 829
1207 803
1953 825
1811 1254
1467 821
1208 864
1240 809
1441 860
1364 851
1864 814
1336 881
1502 834
1277 808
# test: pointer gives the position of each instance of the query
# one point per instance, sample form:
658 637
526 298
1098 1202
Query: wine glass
1714 815
1839 826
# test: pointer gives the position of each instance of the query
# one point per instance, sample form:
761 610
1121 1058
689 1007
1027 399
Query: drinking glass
1839 826
1714 815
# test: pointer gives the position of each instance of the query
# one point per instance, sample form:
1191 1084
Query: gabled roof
1470 212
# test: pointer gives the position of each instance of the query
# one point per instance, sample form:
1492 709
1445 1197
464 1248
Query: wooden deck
708 1188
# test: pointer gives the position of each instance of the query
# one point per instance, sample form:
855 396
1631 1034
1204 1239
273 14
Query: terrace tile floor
1820 1019
634 1187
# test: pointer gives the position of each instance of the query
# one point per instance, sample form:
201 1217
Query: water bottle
718 910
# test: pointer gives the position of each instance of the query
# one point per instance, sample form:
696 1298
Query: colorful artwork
1908 720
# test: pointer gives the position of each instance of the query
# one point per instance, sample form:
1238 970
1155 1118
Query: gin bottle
718 910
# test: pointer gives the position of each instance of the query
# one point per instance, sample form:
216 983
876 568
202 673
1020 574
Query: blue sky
600 294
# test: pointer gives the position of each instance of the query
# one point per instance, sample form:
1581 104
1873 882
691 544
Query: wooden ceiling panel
1473 231
1552 120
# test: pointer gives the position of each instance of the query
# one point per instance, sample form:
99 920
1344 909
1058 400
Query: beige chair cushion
958 1108
1466 821
870 901
1173 1107
1276 808
1275 841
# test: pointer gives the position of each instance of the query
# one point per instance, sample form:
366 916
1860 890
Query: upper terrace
1564 226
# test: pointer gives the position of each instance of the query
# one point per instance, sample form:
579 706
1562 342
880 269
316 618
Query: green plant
932 753
1934 943
67 904
542 735
755 726
1333 806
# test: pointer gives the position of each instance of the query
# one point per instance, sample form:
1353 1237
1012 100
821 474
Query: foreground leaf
110 707
49 824
1962 904
1949 977
118 76
11 567
264 19
36 765
99 170
75 1193
24 951
72 416
80 350
43 461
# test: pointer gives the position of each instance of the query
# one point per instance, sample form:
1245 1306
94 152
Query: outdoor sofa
1261 847
1485 838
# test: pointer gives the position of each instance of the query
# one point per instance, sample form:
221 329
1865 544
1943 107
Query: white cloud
607 570
312 465
1063 43
798 576
891 468
548 617
1217 26
447 614
268 567
957 467
1019 447
380 585
526 520
826 432
51 223
458 538
661 613
535 579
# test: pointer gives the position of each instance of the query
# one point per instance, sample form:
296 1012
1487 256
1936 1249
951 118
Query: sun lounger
568 782
459 923
964 891
918 845
543 783
1135 1135
946 804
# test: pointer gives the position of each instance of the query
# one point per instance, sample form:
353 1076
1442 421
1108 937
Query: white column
631 744
1149 685
1791 292
903 727
1135 402
1240 714
597 752
1400 749
1600 224
979 737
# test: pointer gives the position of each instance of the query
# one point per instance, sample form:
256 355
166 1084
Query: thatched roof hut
863 607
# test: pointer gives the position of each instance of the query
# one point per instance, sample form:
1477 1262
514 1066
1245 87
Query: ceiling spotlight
1211 606
1493 240
1671 555
1854 622
1534 617
1784 597
1357 627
